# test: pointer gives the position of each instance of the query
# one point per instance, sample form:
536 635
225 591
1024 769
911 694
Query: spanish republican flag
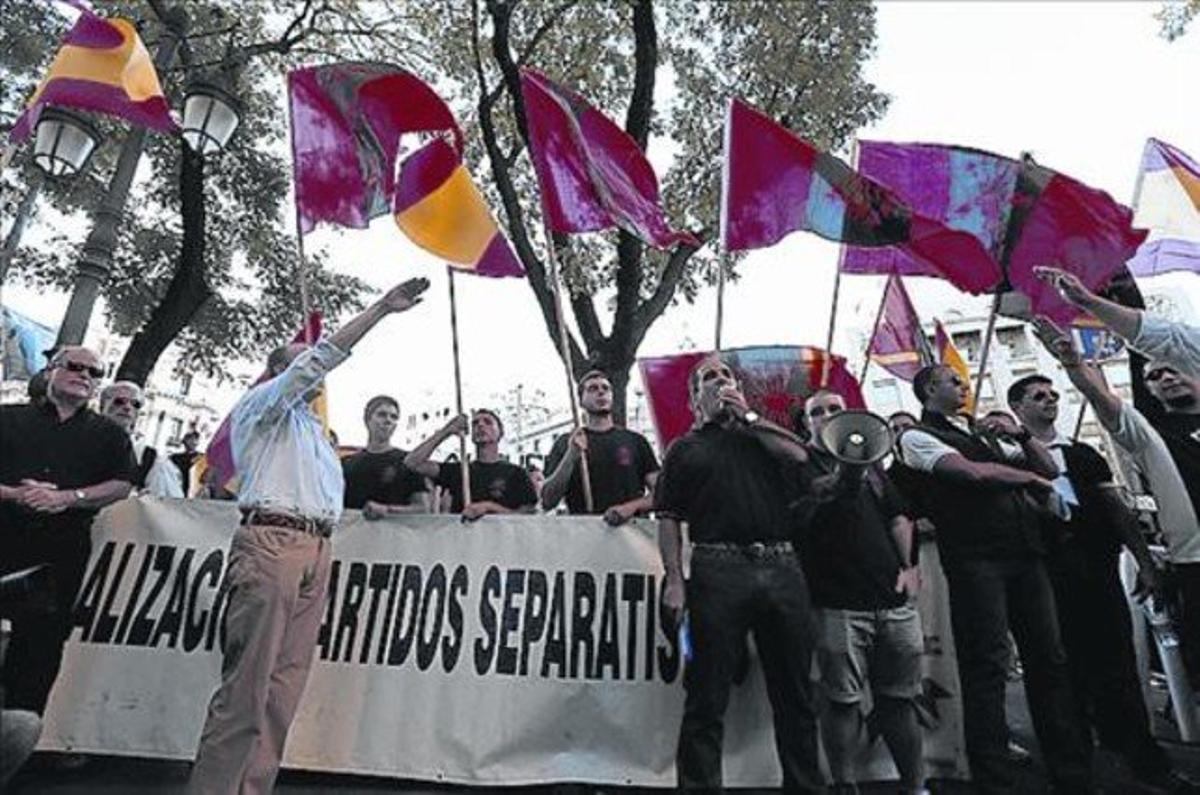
102 66
948 355
438 206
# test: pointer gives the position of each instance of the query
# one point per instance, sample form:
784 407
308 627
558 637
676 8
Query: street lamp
64 142
210 116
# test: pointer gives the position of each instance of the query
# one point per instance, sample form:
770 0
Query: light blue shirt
1177 343
283 460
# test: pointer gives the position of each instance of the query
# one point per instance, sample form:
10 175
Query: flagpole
887 286
983 353
458 399
723 210
837 287
564 341
302 280
720 300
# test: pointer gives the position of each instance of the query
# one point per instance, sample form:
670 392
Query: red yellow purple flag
592 174
102 66
898 344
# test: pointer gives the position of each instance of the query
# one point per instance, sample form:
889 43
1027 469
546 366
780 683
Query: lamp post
210 116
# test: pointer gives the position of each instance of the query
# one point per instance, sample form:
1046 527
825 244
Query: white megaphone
857 438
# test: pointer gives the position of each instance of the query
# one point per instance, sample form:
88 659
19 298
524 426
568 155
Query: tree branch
649 310
542 30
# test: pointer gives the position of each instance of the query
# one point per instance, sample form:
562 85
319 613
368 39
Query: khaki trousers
278 580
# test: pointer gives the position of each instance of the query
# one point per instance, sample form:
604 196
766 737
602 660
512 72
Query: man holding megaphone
859 557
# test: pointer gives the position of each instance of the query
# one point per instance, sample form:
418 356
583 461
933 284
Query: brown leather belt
313 527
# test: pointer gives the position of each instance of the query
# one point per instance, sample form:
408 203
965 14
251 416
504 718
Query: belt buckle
757 549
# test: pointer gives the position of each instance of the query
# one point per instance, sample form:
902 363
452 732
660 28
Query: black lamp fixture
64 141
210 116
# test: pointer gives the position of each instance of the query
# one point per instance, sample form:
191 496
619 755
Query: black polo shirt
727 486
379 477
618 462
1181 432
498 481
82 451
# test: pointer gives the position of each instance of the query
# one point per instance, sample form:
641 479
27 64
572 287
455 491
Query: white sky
1079 85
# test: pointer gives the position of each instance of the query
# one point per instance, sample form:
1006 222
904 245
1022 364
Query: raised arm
418 460
1121 319
1086 378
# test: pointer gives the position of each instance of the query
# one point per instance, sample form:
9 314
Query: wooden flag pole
564 342
887 285
720 301
458 398
302 281
983 353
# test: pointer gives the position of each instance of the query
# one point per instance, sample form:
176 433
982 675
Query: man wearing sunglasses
732 480
121 401
290 494
60 463
984 498
1092 611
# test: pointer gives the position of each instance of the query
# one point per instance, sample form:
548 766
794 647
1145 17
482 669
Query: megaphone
858 438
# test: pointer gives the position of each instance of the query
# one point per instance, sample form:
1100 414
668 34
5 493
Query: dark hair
923 379
588 376
999 413
694 375
378 401
1016 392
908 414
493 415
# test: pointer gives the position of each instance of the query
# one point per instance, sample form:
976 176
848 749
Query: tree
800 62
1175 17
223 283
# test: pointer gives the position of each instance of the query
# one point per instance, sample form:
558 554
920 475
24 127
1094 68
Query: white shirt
1062 484
1159 338
284 461
1176 515
922 450
164 478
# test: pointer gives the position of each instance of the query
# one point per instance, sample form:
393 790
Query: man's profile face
1172 388
597 396
819 409
948 389
382 421
484 429
121 405
75 375
1039 404
191 441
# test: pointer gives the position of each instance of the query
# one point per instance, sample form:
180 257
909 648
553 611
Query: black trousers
1187 620
35 647
988 598
728 595
1093 616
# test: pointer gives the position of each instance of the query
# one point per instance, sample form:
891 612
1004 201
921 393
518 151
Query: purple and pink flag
776 380
1021 213
592 174
102 66
776 183
1168 204
898 344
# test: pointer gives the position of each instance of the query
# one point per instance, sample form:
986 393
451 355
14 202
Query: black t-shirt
184 461
850 557
379 477
727 486
85 450
618 462
1181 432
1090 528
498 481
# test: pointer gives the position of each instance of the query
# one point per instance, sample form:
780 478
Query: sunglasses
1158 373
124 401
80 367
821 411
1043 397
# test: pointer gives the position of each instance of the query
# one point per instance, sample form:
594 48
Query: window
1015 340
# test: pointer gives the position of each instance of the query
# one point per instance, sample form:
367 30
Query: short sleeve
921 451
649 461
520 489
671 491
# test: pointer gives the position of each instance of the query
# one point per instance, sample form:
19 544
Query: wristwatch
750 417
79 495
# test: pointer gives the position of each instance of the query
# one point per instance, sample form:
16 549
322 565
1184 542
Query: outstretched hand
1068 284
1057 342
406 295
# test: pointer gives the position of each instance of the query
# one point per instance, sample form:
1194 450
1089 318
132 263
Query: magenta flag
592 174
776 380
777 183
220 448
898 343
1023 215
347 124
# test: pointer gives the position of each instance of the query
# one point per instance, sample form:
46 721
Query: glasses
1159 372
80 367
1043 397
124 401
821 411
715 372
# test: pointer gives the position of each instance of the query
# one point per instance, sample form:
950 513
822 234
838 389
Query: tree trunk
188 289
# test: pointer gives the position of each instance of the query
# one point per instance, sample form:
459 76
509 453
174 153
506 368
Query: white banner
515 650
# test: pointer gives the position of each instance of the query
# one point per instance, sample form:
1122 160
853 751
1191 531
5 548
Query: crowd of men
815 558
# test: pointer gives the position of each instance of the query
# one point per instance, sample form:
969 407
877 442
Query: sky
1079 85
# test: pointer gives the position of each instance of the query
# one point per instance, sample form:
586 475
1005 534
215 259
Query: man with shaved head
60 463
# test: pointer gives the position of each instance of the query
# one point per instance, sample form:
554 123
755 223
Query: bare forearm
105 493
904 533
780 441
1038 458
670 547
418 459
1106 405
348 335
1122 319
555 486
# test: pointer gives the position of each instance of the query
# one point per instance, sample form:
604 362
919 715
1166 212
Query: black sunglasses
821 411
1042 397
124 401
80 367
1159 372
